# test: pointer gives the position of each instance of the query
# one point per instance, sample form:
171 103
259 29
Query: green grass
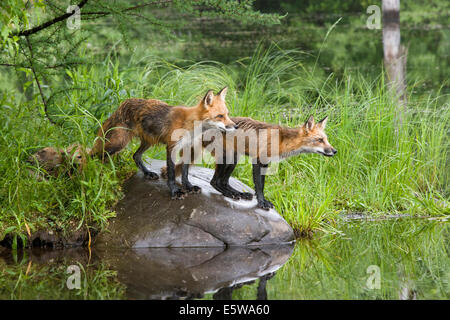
376 170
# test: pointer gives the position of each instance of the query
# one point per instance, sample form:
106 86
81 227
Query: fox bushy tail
112 137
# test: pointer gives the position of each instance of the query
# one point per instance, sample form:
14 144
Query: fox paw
151 175
230 194
178 194
227 192
265 204
193 189
246 195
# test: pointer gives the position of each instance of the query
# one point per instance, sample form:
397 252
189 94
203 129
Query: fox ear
322 123
310 123
207 100
223 93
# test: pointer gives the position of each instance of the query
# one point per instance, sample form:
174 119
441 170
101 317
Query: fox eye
220 116
320 140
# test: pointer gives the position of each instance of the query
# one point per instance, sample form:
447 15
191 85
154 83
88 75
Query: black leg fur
185 181
175 191
137 156
221 183
259 180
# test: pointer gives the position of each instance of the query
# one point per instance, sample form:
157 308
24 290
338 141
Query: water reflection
410 257
261 292
163 273
186 273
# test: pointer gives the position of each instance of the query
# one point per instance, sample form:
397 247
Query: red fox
276 143
154 121
56 161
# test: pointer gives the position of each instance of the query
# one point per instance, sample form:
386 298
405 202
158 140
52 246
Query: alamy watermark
74 21
262 144
226 146
374 279
74 280
374 20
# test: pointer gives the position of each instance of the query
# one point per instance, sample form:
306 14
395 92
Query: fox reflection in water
178 273
261 292
158 273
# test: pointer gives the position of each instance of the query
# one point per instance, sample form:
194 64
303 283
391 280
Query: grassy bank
378 169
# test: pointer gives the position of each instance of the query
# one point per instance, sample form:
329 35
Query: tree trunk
394 54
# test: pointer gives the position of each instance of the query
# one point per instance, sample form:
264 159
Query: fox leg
185 180
263 182
220 182
259 180
185 173
175 191
226 179
137 156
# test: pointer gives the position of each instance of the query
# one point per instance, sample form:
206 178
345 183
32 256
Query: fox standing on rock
154 121
309 138
263 142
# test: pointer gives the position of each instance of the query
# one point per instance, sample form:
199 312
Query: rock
147 217
174 273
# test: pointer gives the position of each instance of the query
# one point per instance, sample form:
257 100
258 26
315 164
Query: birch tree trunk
394 54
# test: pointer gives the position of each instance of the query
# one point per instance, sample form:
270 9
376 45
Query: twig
10 65
37 81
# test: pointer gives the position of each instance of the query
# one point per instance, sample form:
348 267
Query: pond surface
392 259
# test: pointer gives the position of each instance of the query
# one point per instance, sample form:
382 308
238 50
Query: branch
11 65
37 81
80 5
48 23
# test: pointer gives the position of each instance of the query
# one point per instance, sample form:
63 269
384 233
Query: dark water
393 259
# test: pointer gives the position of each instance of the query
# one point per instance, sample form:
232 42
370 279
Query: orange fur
154 121
289 142
55 161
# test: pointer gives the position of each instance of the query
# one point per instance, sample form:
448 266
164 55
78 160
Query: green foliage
16 15
239 10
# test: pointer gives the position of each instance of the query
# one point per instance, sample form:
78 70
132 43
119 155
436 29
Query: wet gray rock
147 217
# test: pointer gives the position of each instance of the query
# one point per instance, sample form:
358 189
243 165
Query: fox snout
329 152
229 124
231 127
